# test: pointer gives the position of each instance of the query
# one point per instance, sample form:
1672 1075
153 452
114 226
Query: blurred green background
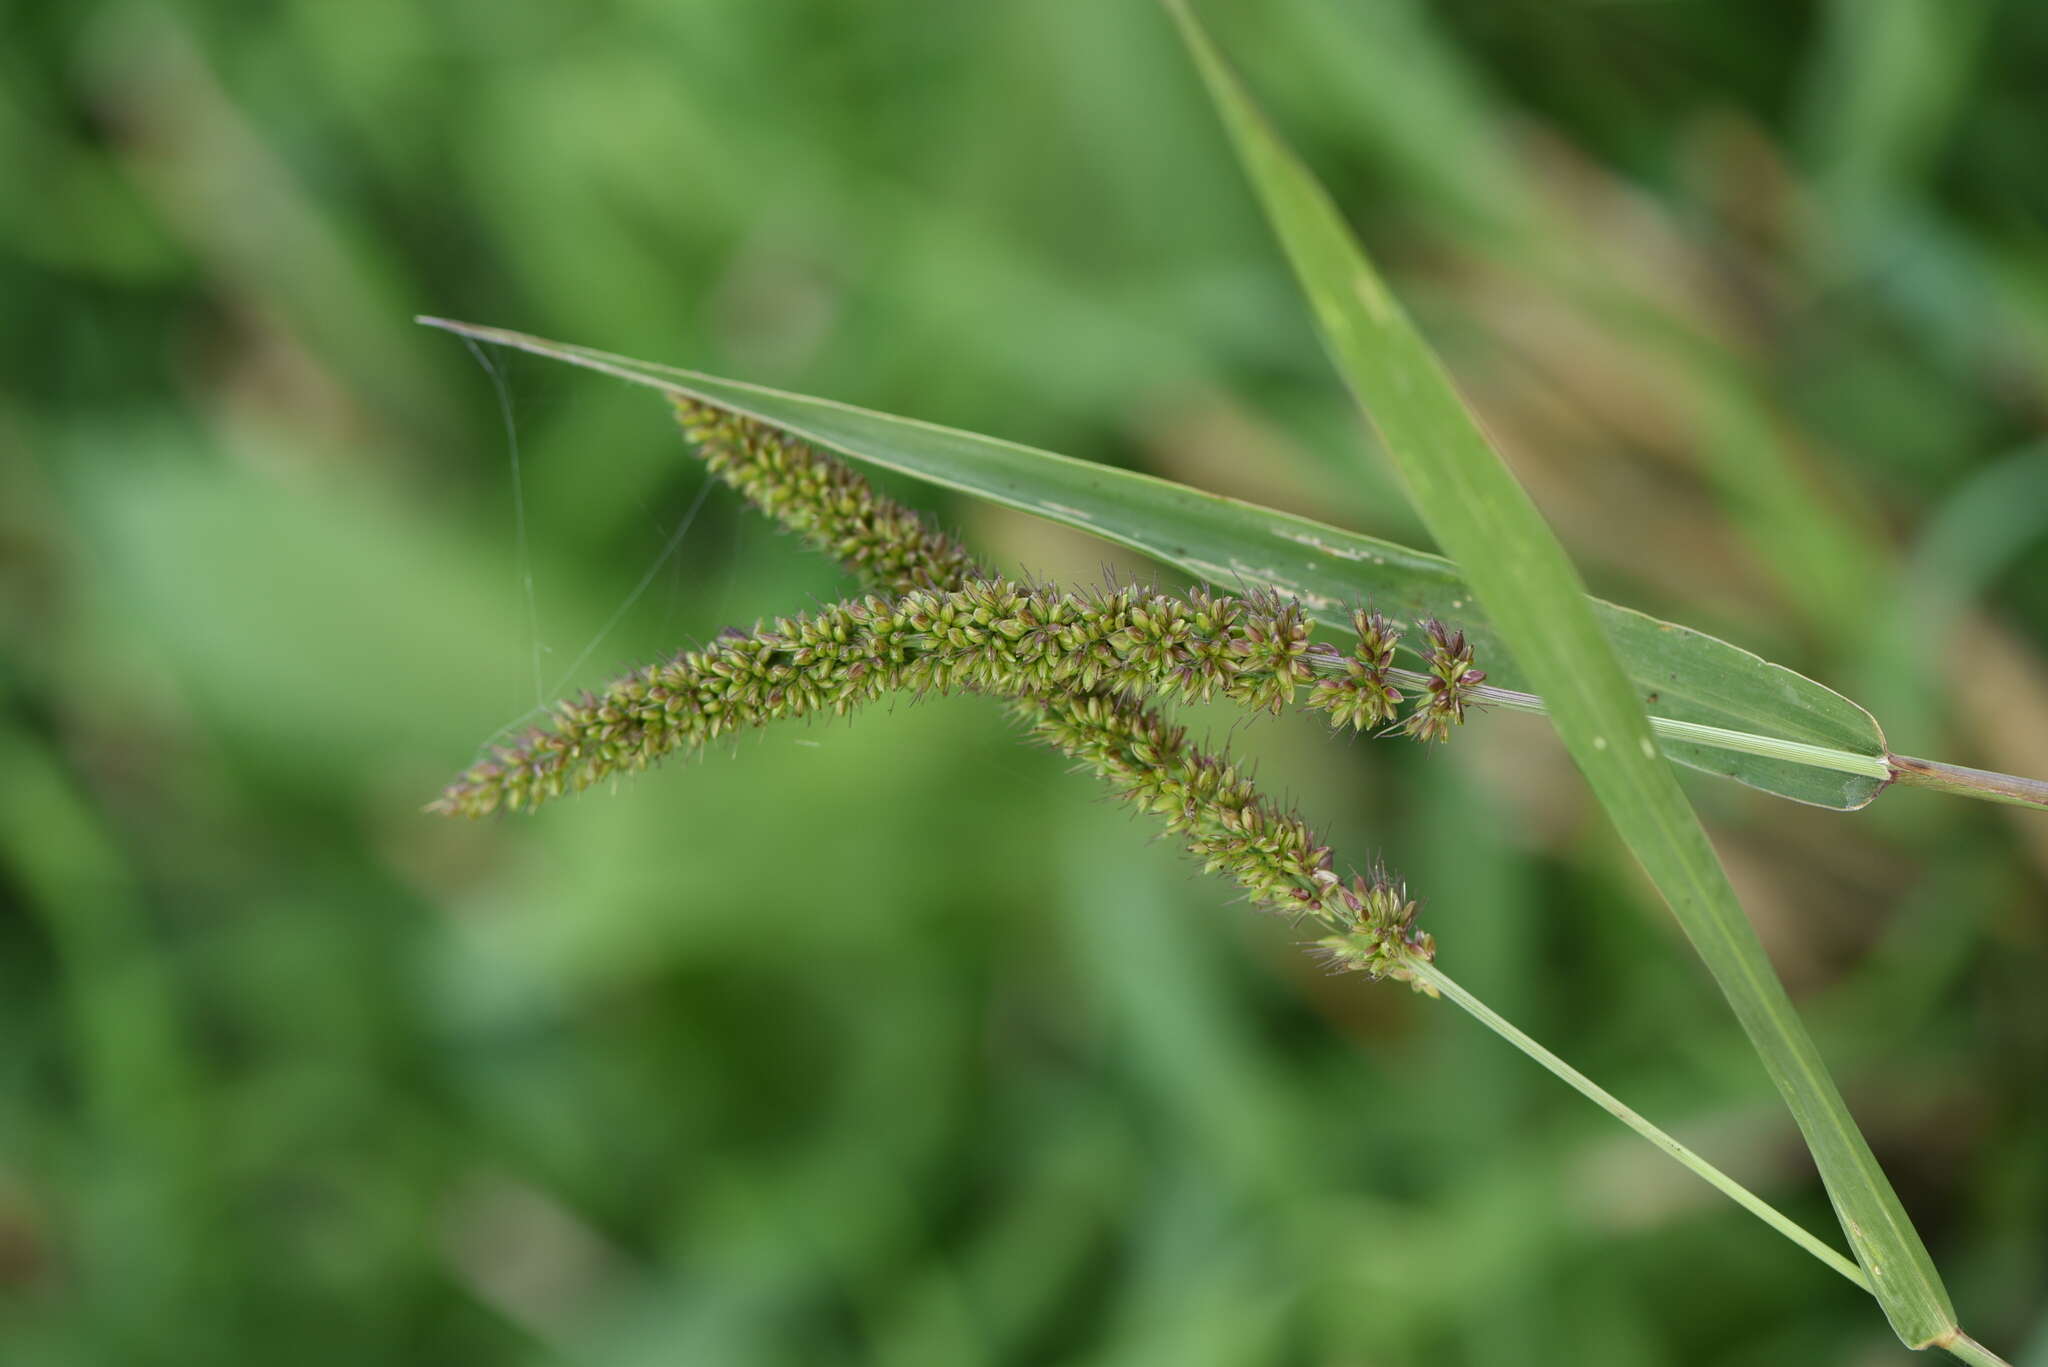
890 1042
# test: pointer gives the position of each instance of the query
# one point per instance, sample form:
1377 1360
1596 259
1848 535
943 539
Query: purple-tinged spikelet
1376 928
1452 679
1362 697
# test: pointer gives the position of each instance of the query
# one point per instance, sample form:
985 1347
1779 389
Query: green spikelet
1362 697
1452 679
887 545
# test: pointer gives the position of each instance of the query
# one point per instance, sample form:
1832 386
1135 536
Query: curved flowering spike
989 635
822 499
1065 661
1236 830
1452 679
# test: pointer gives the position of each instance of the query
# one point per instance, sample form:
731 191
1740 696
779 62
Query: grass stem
1969 1350
1430 975
1980 783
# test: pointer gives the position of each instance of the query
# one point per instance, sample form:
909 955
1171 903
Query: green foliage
972 1071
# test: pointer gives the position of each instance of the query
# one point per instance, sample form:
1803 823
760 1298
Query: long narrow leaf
1535 600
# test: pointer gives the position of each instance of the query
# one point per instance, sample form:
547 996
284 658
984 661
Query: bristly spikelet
1272 649
1363 697
1376 933
885 543
1452 679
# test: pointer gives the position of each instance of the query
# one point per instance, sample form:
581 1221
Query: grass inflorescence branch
1274 856
1073 663
1076 667
887 544
992 635
1091 711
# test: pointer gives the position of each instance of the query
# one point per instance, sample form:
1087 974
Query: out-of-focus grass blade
1535 600
1687 675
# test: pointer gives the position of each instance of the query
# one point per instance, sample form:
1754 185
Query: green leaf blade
1487 524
